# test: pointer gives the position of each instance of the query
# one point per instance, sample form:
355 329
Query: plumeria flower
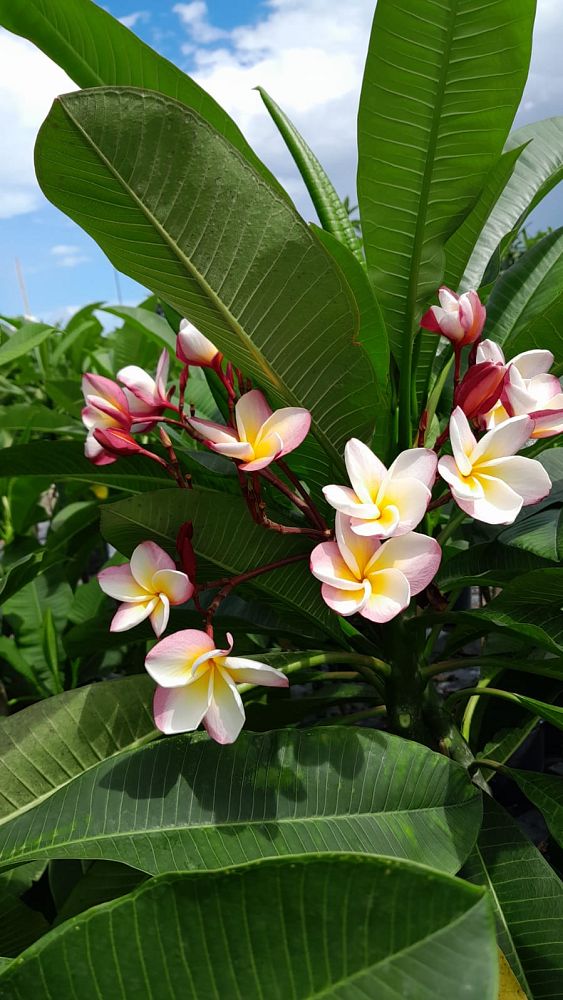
384 502
147 586
487 479
480 389
193 348
376 580
460 318
146 396
198 683
106 407
261 436
528 389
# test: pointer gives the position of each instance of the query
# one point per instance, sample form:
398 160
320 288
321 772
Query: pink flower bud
193 348
480 389
117 442
460 318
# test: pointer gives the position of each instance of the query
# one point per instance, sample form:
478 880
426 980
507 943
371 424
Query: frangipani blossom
528 389
460 318
193 348
147 586
106 407
487 479
384 502
198 683
480 388
376 580
146 396
261 436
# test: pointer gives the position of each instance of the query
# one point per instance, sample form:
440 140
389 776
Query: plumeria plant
332 534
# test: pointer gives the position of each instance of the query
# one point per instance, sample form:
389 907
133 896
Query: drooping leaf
539 533
528 901
489 564
550 713
46 745
431 128
335 927
330 210
24 340
538 169
227 539
64 461
244 268
546 792
333 789
20 926
95 49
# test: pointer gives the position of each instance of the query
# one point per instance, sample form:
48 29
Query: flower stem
451 527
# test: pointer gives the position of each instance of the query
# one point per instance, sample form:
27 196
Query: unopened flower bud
460 318
480 389
193 348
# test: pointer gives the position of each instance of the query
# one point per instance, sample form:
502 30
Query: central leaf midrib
221 308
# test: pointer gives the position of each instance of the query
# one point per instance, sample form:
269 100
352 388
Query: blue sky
302 51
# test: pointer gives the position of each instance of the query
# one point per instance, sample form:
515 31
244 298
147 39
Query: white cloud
29 82
68 256
138 16
194 17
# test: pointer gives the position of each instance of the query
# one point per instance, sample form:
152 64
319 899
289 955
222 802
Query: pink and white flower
198 683
460 318
106 407
146 586
362 575
261 436
487 479
193 348
528 389
146 396
384 502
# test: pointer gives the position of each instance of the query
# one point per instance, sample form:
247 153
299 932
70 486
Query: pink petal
140 383
416 556
530 363
181 709
365 470
160 615
504 440
525 476
416 463
129 615
212 432
344 602
345 500
170 661
430 321
119 582
105 389
244 671
548 422
251 412
147 559
499 504
238 450
328 566
225 716
463 441
162 370
176 585
291 424
94 452
489 351
390 594
448 300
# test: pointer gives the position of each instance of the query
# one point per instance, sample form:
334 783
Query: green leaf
20 926
546 792
489 564
331 212
46 745
244 267
25 613
20 573
24 340
64 461
525 308
528 901
431 128
95 50
550 713
101 882
150 324
537 170
538 533
339 927
34 417
227 539
333 789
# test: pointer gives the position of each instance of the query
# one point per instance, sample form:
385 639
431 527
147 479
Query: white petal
463 441
147 559
328 566
344 602
181 709
525 476
384 526
129 615
224 718
118 582
468 487
356 550
530 363
416 463
245 671
175 584
160 615
502 441
409 497
251 412
499 504
240 450
487 350
139 383
344 499
365 470
448 300
291 424
416 556
390 594
170 661
212 432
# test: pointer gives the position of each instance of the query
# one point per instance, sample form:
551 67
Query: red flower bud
118 442
480 389
460 318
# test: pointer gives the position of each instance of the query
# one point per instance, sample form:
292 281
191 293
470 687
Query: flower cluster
374 562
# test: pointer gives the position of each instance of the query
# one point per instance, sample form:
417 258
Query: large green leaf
100 882
148 323
63 461
20 926
46 745
441 87
525 308
487 564
340 927
537 170
528 900
546 792
24 340
226 539
95 49
34 417
539 533
190 219
186 802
